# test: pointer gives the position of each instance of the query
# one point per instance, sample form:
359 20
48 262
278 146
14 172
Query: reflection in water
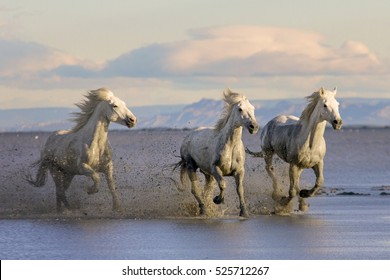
331 231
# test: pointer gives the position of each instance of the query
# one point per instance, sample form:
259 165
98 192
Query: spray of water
148 188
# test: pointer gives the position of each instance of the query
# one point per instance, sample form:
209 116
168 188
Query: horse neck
96 129
231 132
313 130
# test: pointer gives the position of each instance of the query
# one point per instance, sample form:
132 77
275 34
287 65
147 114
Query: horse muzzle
253 128
336 124
130 121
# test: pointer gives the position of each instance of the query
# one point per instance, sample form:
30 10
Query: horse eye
325 106
114 106
239 109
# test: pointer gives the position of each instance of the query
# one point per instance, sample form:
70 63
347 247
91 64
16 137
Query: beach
349 219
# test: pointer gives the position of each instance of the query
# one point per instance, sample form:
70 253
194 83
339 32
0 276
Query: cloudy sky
179 51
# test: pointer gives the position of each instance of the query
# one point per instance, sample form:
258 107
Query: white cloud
20 58
247 51
239 51
262 62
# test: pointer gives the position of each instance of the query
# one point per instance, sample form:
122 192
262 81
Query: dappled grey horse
219 151
84 150
300 142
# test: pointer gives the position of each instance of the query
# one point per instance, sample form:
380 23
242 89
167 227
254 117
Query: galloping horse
84 150
219 151
300 142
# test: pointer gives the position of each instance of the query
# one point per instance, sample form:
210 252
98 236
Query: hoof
244 214
305 193
304 208
284 201
218 200
92 190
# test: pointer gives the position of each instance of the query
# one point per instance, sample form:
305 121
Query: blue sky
175 52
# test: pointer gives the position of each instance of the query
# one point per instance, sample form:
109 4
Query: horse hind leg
195 189
208 193
62 182
277 192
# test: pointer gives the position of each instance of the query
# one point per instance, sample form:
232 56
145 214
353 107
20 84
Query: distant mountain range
355 112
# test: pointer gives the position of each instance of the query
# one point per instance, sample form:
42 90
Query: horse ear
335 91
227 91
322 91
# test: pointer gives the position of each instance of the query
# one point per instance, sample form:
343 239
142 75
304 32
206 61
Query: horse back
277 133
202 148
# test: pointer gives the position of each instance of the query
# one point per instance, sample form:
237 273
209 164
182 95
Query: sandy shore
349 220
147 185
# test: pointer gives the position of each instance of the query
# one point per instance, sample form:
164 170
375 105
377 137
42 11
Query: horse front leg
318 171
217 173
239 177
87 170
108 172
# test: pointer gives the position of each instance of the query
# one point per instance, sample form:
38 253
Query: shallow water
336 228
158 220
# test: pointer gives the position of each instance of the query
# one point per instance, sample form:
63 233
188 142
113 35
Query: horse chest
228 161
308 158
95 155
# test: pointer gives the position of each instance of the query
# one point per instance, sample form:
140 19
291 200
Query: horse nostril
252 126
335 121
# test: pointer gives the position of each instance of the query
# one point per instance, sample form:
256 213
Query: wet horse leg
221 184
276 194
195 189
62 182
318 171
108 172
239 177
209 187
294 174
87 170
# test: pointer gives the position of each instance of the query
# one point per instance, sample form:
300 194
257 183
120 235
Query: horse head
246 112
113 108
329 108
118 112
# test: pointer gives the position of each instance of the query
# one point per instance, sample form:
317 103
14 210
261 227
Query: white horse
300 142
84 150
219 151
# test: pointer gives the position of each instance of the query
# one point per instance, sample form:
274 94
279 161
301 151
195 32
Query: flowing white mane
312 102
88 105
230 99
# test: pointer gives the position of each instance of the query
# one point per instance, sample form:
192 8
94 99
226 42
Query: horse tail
255 154
41 178
184 178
